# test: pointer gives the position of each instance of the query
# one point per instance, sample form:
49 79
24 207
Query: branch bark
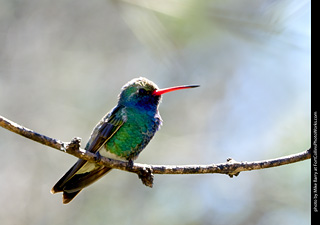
144 171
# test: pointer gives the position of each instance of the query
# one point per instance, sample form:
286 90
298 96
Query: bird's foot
98 156
130 163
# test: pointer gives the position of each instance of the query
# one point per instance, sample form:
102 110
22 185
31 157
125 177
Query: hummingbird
121 134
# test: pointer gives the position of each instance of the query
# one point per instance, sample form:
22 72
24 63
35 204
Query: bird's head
143 93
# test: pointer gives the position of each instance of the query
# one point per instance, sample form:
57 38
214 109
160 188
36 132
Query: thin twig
144 171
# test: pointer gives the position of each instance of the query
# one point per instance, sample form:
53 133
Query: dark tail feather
76 183
67 197
80 181
59 186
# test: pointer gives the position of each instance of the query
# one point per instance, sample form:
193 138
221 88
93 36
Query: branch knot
74 144
146 176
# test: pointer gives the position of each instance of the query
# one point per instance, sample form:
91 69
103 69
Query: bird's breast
133 135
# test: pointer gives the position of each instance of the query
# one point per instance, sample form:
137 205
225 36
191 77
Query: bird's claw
130 163
98 156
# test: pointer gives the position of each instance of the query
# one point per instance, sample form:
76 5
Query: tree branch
144 171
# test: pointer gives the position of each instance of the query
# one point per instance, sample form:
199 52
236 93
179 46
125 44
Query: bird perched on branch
121 134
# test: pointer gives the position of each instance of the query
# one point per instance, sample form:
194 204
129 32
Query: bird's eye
142 91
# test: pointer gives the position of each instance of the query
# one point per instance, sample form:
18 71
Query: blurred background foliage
62 64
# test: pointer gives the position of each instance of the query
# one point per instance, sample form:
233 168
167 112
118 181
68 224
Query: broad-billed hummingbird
121 134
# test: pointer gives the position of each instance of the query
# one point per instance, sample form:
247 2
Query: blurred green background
62 64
